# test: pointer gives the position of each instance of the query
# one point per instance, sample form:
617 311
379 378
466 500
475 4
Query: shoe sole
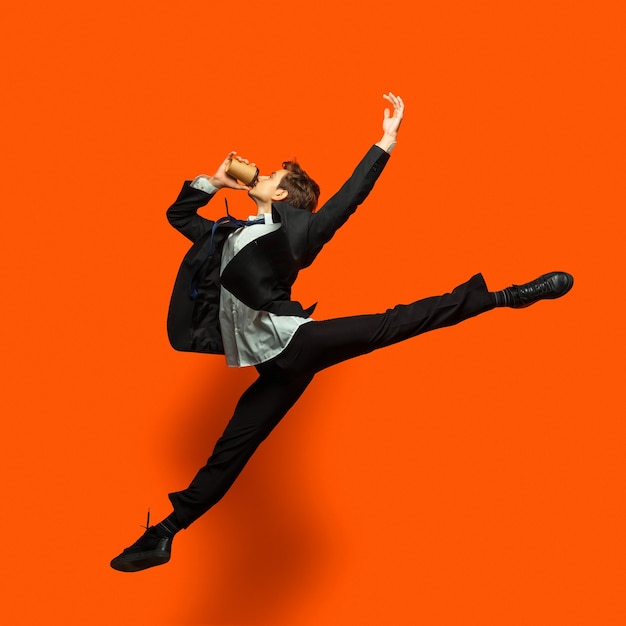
140 561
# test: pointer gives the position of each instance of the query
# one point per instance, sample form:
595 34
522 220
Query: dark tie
232 222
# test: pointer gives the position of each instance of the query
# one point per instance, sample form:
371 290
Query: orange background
471 476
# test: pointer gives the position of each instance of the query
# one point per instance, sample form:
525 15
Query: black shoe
149 550
546 287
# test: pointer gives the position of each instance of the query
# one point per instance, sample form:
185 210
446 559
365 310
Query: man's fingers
228 158
397 102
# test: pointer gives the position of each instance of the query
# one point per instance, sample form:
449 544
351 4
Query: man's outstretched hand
391 126
221 179
391 122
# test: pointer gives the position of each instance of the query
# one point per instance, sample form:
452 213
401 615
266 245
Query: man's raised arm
335 212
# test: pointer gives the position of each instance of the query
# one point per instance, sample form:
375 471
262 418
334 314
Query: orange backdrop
491 490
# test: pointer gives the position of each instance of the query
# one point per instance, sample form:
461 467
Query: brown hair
303 190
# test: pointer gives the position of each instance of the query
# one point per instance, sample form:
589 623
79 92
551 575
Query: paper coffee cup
247 174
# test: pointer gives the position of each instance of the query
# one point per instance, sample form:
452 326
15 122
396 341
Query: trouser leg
315 346
318 345
258 411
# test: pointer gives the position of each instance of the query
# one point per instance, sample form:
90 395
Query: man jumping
232 296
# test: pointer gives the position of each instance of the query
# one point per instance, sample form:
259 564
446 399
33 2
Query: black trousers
283 379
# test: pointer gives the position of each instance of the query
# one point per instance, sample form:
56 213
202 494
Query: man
232 296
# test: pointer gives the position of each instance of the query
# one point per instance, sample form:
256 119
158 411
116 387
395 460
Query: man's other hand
221 179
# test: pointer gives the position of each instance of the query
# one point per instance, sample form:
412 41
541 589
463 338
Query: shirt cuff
202 183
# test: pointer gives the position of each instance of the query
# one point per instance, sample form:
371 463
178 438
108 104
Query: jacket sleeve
183 214
336 211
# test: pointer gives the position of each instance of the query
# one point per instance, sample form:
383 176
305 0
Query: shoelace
543 287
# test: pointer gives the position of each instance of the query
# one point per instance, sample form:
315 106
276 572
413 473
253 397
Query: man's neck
263 207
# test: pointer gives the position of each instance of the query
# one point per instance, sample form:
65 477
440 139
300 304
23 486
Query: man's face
266 189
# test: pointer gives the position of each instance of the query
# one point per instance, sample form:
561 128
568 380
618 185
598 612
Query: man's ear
280 194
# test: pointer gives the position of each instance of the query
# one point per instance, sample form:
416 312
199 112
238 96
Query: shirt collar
266 217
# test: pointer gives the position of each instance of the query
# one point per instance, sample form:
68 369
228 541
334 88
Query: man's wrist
388 142
205 183
216 182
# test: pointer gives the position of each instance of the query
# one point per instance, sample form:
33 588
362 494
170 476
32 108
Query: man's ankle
168 527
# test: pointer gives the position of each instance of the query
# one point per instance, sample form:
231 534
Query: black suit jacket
262 273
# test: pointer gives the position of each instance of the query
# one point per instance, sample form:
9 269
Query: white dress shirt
250 337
